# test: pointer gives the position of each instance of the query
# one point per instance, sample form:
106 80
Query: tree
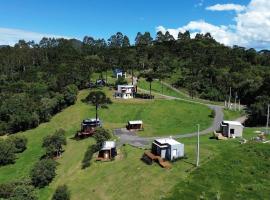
98 99
101 135
19 141
184 36
53 143
61 193
116 40
70 94
120 81
24 192
168 36
160 37
43 173
125 41
7 152
150 79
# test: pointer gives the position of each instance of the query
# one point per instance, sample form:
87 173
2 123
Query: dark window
231 131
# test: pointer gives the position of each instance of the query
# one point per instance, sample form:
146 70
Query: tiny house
231 129
168 148
125 91
119 73
108 151
88 126
135 125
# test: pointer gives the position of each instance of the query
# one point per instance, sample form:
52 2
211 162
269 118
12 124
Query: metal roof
135 122
232 123
107 145
169 141
125 86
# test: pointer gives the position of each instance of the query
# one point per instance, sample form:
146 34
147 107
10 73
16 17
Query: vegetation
120 81
7 152
20 190
43 172
232 114
61 193
53 143
19 141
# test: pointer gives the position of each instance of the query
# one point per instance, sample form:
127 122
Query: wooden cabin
107 152
88 127
136 125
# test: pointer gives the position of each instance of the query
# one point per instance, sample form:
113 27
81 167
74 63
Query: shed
135 125
108 151
168 148
231 129
119 73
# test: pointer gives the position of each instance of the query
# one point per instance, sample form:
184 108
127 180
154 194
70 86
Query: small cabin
231 129
168 148
119 73
108 151
135 125
125 91
100 82
88 126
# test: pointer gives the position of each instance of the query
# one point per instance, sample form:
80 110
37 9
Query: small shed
231 129
168 148
125 91
135 125
119 73
108 151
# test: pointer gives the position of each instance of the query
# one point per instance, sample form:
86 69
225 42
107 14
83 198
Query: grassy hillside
231 114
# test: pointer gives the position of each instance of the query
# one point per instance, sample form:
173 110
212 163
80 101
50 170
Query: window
231 131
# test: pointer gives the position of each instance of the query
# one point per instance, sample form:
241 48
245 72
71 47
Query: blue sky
102 18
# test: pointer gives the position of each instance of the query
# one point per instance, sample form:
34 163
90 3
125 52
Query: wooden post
198 146
239 106
235 100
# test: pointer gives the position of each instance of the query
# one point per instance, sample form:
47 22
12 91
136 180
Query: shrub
43 173
19 142
20 189
101 135
53 143
120 81
89 154
61 193
7 152
24 192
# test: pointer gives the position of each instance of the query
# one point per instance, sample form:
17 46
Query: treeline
38 80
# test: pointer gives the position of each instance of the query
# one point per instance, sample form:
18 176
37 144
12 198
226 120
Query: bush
70 94
24 192
101 135
120 81
43 173
61 193
7 152
19 142
53 143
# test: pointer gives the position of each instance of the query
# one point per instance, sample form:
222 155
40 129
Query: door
163 153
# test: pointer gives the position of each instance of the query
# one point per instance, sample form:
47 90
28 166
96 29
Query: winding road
130 137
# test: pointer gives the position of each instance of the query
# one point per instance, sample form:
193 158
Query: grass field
231 114
152 112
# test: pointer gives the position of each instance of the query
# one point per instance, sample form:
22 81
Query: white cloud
11 36
226 7
251 27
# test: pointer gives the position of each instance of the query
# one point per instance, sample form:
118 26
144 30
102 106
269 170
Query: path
127 137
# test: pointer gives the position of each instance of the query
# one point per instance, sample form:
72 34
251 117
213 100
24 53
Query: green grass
236 172
157 87
232 114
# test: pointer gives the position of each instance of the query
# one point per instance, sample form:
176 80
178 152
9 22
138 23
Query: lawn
158 87
236 172
160 117
232 114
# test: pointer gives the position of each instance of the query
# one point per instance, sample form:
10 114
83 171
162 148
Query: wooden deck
161 161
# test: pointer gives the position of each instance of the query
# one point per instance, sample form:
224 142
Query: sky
236 22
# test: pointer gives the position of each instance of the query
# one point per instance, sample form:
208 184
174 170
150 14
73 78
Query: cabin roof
232 123
107 145
135 122
169 141
126 86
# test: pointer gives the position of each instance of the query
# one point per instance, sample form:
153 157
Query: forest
37 80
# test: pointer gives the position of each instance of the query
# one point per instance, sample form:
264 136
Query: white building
119 73
125 91
168 148
231 129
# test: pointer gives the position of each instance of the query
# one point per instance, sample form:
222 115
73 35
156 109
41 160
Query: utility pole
235 97
267 120
198 146
230 98
239 106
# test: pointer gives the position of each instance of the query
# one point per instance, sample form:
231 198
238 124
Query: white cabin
231 129
125 91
